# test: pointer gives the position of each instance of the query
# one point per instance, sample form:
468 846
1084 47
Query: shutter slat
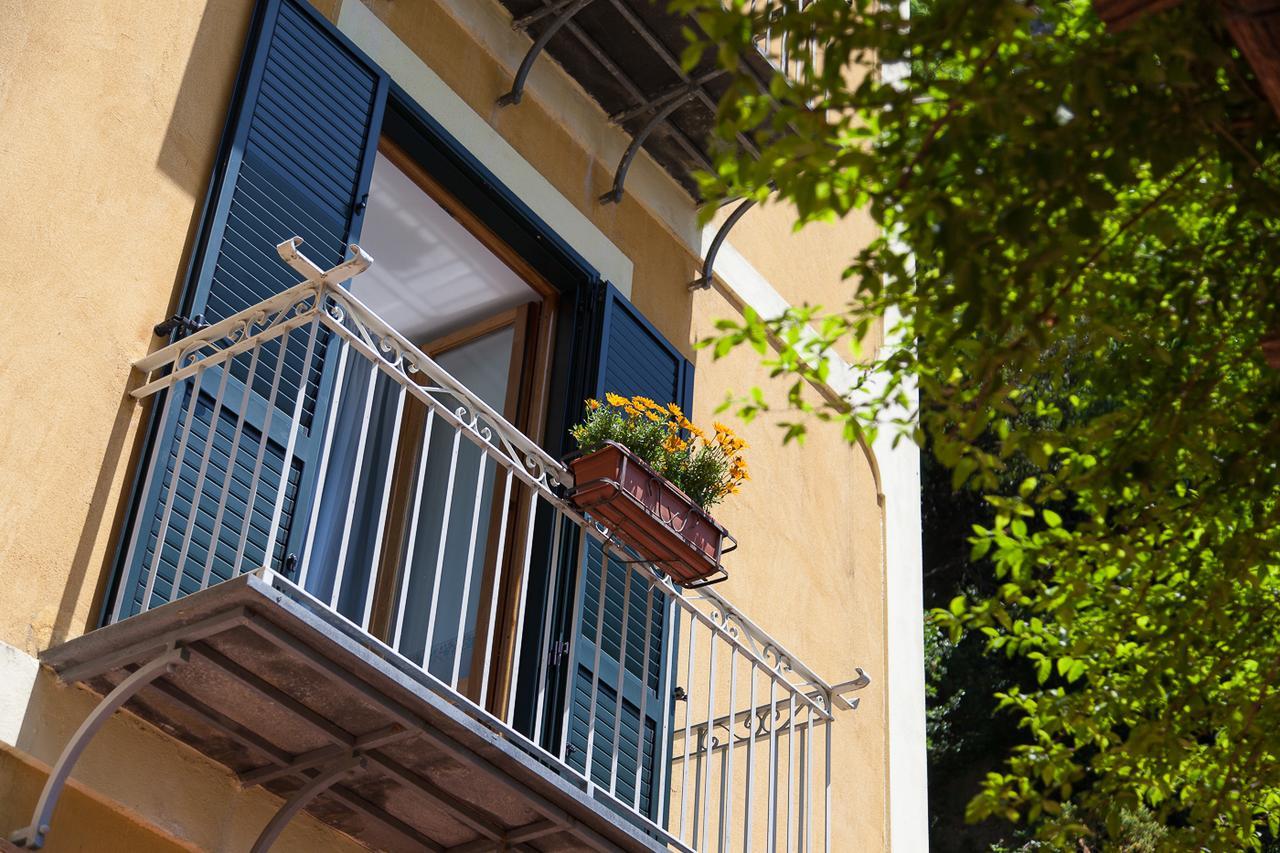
635 360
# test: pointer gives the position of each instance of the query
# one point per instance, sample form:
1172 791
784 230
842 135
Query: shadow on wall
199 111
186 157
123 447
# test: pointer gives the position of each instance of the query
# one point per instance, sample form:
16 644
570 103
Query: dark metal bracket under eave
563 11
703 281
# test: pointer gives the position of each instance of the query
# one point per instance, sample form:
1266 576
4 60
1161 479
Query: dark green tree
1080 230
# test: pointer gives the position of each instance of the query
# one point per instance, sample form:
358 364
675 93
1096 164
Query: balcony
377 639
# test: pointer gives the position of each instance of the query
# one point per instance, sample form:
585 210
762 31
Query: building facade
303 298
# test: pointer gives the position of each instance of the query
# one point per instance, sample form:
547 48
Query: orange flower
615 400
593 404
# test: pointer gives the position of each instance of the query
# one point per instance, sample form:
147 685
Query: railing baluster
277 509
380 530
622 680
806 789
229 478
710 737
356 471
544 648
406 568
466 578
644 698
571 656
255 479
662 737
444 542
593 696
522 607
791 768
726 782
772 816
826 792
495 592
198 490
749 797
331 425
688 714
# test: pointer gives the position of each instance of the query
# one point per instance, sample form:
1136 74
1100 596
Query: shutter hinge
181 325
556 653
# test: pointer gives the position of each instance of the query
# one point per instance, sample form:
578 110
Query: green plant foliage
706 469
1080 230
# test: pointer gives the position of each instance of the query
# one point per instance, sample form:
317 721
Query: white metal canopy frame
227 653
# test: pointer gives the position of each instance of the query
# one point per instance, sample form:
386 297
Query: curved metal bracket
703 281
567 10
32 837
326 777
637 141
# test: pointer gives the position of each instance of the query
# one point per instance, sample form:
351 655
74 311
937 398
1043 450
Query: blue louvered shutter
296 159
634 359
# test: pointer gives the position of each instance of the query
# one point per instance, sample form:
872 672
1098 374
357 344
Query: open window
432 549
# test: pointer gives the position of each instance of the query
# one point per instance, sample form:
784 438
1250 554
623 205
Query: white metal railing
777 46
731 746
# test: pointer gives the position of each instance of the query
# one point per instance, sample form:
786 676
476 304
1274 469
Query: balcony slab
290 696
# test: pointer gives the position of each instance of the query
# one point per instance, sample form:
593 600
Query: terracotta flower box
649 514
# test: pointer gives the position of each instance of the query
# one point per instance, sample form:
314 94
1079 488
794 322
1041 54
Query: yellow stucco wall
110 115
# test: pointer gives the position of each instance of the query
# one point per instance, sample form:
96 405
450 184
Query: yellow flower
630 410
615 400
675 410
643 403
653 416
593 404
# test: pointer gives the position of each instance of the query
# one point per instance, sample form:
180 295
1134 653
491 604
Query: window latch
181 324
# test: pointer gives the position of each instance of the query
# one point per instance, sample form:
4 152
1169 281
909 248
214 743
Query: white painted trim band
372 36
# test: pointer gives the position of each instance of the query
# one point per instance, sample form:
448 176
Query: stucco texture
110 115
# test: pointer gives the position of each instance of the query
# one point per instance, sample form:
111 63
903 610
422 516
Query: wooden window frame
528 388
